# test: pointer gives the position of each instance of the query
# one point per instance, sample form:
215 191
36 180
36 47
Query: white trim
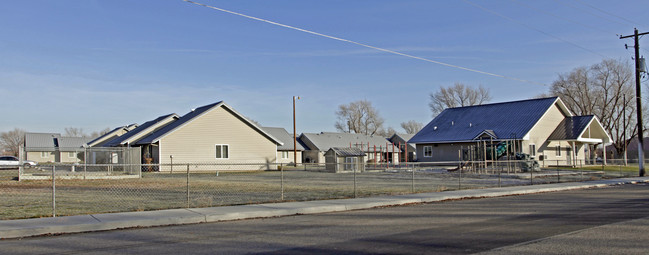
424 151
562 107
237 114
227 152
150 130
532 150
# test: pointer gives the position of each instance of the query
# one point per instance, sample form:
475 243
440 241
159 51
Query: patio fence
50 190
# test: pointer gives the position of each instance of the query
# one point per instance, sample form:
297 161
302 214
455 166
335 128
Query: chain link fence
52 189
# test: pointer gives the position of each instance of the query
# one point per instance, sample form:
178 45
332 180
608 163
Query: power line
364 45
591 13
532 28
611 14
561 17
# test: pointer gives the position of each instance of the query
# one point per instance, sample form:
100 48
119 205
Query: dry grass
28 199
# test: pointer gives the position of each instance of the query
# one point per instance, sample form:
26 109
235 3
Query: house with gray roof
408 149
377 148
52 147
286 153
543 128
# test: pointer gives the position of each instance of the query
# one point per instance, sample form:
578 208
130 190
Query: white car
11 161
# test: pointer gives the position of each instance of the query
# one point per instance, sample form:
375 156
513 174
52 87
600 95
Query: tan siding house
212 134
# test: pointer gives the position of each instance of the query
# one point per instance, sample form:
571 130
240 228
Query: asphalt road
611 220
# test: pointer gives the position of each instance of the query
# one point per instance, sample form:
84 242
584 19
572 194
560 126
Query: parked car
13 162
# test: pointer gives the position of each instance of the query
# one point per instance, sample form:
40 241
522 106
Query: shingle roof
155 136
283 135
325 141
507 120
147 127
571 127
42 141
348 152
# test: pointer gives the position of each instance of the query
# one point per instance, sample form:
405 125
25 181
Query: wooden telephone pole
638 99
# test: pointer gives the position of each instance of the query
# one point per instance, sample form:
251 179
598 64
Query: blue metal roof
507 120
118 140
173 125
571 127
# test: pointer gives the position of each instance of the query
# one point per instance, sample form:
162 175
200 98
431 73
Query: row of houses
216 133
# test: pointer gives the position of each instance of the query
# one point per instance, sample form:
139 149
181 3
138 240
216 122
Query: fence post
413 180
532 175
281 169
499 172
187 185
354 182
459 181
53 191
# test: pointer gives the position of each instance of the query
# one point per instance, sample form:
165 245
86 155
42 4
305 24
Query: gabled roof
142 130
347 152
404 137
42 141
111 135
196 113
571 128
284 137
72 143
574 129
507 120
325 141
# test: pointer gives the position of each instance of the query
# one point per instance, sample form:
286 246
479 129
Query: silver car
13 162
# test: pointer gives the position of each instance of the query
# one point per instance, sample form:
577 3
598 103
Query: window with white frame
72 154
284 154
558 149
350 163
45 154
428 151
222 151
532 150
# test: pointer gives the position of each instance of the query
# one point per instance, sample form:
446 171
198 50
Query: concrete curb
110 221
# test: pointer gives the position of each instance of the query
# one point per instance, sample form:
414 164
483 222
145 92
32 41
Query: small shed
340 159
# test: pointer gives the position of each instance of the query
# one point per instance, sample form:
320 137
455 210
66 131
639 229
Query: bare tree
411 126
99 133
359 117
74 132
12 140
600 90
456 96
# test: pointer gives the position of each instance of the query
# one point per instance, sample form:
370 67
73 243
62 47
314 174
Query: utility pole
638 99
294 135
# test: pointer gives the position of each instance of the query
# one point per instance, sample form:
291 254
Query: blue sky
102 64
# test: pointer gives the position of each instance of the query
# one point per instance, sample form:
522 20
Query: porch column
574 154
604 150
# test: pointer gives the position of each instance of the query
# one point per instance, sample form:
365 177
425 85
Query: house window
532 150
72 155
428 151
284 154
222 151
45 154
350 163
558 150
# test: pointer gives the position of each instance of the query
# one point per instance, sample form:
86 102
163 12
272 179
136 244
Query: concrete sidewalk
110 221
